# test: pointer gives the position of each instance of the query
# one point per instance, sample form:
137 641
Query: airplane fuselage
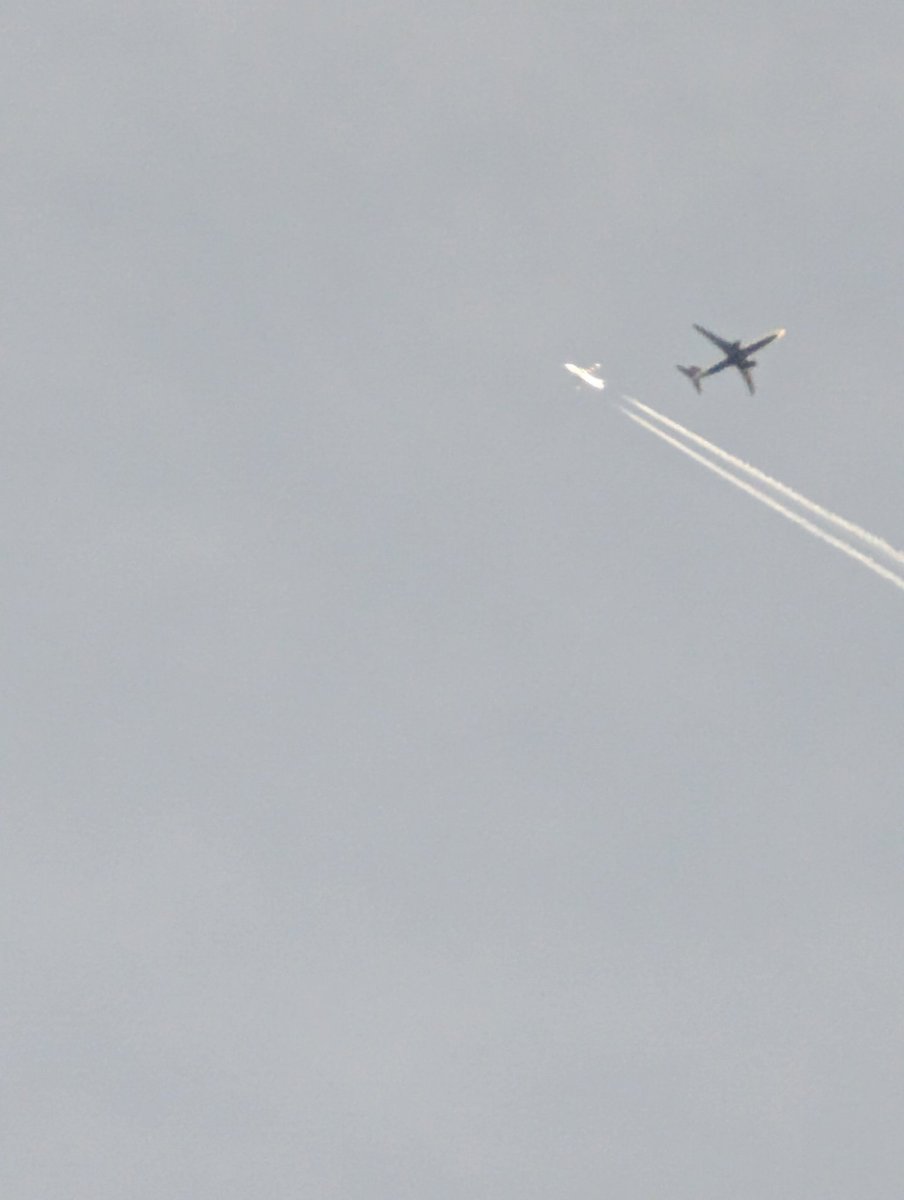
586 374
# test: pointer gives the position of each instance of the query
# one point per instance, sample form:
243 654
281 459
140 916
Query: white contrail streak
770 502
849 527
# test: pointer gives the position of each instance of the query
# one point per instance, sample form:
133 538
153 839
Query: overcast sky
419 781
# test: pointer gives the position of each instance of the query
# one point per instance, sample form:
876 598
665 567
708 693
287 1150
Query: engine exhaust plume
851 551
869 539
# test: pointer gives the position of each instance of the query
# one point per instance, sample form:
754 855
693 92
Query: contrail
849 527
829 538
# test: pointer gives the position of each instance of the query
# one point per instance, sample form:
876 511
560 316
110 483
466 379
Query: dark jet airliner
736 355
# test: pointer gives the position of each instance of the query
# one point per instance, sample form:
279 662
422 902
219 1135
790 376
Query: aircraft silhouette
736 355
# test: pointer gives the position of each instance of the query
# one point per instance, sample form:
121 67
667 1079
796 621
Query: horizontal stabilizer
694 374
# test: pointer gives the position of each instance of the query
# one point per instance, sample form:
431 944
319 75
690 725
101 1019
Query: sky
418 780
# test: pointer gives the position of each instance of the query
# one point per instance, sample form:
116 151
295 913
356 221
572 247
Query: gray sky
418 780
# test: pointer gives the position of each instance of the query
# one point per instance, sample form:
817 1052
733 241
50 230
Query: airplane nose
780 332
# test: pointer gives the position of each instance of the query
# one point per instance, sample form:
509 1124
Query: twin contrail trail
869 539
769 501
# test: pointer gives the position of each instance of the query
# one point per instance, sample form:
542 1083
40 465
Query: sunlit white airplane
586 373
736 355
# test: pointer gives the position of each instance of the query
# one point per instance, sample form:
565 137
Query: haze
419 780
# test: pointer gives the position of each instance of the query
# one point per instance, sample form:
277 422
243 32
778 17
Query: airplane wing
723 345
764 341
748 378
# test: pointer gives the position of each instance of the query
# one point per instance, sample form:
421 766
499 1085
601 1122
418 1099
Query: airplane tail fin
694 374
